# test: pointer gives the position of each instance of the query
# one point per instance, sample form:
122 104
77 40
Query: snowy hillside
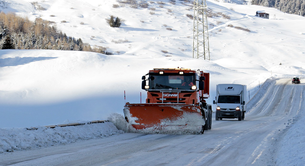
47 87
88 86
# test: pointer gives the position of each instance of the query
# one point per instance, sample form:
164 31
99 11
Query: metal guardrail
70 124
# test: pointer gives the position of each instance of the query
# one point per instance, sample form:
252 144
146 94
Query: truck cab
174 86
230 100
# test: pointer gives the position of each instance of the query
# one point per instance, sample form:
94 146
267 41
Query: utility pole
201 46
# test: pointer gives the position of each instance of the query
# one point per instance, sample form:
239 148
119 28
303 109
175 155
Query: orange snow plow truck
175 103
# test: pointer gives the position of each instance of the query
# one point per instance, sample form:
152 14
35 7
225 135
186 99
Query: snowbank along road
230 142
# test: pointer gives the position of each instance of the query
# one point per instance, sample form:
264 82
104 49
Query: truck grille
171 100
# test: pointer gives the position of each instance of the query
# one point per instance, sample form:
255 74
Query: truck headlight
218 108
146 87
194 87
237 109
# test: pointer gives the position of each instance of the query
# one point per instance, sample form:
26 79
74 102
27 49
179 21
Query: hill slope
67 83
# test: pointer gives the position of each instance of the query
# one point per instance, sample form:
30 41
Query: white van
230 100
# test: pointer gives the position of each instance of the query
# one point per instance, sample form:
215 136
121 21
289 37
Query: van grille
228 109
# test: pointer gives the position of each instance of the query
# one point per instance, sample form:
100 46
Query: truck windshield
229 99
183 82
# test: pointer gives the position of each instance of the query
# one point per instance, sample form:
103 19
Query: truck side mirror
143 84
201 85
214 102
244 102
143 77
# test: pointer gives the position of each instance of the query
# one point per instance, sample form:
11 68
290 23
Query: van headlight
237 109
218 108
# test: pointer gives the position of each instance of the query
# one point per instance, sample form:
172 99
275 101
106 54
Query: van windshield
229 99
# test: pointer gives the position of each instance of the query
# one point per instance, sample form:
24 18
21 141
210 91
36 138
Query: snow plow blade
164 118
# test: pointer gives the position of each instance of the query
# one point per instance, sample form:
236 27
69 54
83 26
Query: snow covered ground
256 141
44 87
23 139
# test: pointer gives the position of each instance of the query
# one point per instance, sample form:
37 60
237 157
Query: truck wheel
207 122
202 130
216 116
210 126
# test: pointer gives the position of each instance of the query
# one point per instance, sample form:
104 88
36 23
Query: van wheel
240 117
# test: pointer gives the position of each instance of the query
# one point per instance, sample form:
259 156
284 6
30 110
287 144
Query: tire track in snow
271 118
287 143
291 105
259 100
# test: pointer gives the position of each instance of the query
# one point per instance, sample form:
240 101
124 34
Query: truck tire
207 122
210 117
202 130
210 126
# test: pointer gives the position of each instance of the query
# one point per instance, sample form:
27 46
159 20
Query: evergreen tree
114 22
36 35
287 6
8 43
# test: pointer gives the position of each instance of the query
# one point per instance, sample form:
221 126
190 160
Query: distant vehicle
230 100
296 80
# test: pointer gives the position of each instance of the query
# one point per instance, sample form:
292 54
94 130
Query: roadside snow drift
23 139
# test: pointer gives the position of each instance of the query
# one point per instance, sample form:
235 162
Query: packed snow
22 139
39 88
